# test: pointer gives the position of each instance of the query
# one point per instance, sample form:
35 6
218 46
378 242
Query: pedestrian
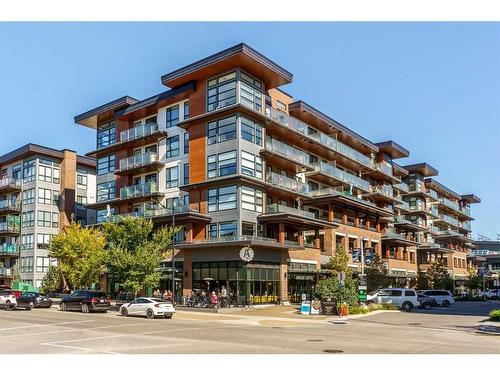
157 293
223 294
164 295
169 296
213 300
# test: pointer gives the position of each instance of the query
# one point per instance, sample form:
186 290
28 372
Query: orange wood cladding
197 153
197 99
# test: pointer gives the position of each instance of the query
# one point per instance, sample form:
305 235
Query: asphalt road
441 330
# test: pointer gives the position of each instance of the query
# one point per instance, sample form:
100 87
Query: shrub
495 315
371 307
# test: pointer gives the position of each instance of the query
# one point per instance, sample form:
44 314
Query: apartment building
266 187
41 189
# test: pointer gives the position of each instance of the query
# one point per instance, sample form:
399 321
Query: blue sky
432 87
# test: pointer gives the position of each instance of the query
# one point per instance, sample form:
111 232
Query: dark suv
85 301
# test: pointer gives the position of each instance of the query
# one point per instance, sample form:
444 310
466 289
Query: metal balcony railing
287 183
10 204
153 213
139 190
10 182
341 175
384 190
139 160
287 150
138 132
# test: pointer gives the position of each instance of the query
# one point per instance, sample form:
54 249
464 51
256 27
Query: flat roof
471 198
394 149
439 186
423 168
401 170
33 149
90 118
240 55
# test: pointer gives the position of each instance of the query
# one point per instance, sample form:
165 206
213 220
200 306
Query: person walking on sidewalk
223 295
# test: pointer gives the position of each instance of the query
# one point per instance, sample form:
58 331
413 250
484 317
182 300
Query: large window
27 242
221 92
55 219
44 173
222 130
16 171
44 196
43 218
43 240
81 179
224 198
27 264
42 264
172 177
186 143
106 134
106 191
186 110
106 164
223 164
28 219
29 170
172 116
251 165
250 92
251 131
251 199
222 229
172 146
29 196
56 197
81 200
186 174
101 214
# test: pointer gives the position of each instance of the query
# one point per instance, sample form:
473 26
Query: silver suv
443 297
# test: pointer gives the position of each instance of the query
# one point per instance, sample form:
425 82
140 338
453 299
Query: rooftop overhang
441 189
242 241
297 221
104 112
434 248
238 56
326 124
351 201
424 169
394 240
409 226
399 170
471 198
393 149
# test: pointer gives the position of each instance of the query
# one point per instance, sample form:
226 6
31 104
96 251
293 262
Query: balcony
401 186
10 227
145 190
418 188
320 138
10 206
466 225
465 210
165 215
239 241
401 221
450 204
138 132
448 220
391 236
139 164
443 234
340 176
287 183
276 213
9 249
286 156
6 272
383 167
9 184
403 206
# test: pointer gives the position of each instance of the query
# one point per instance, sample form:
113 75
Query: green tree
438 277
376 274
473 280
135 252
81 255
52 280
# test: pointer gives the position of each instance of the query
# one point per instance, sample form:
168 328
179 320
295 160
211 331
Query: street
270 330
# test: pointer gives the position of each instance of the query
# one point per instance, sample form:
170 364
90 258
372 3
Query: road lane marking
81 348
46 325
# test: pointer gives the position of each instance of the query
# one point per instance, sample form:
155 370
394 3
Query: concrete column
187 285
344 217
281 233
330 213
284 277
189 232
317 241
67 204
300 237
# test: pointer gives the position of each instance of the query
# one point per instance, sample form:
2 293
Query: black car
426 302
29 300
85 301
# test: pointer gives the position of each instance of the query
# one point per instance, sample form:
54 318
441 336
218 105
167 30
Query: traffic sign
362 295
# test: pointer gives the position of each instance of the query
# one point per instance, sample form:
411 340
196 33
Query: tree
135 252
376 274
81 255
473 280
438 277
51 282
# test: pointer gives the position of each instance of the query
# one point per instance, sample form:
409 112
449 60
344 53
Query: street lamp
363 254
179 200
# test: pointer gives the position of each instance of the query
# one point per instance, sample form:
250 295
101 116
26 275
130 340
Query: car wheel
31 305
85 308
426 305
150 314
445 303
9 307
407 306
124 311
63 307
168 316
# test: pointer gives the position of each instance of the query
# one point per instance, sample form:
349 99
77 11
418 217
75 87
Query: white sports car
148 307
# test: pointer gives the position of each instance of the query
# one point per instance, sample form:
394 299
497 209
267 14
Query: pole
173 254
484 284
362 258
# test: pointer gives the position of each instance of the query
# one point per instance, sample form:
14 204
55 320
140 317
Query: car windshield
157 300
99 294
384 293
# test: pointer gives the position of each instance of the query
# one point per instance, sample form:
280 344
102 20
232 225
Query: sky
432 87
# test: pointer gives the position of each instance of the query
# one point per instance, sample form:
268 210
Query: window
186 110
222 130
173 146
172 116
81 200
251 199
172 177
101 214
186 174
43 240
186 143
44 196
81 179
150 178
44 173
43 218
27 242
105 191
29 170
222 164
55 219
227 229
251 131
247 229
106 134
28 219
221 92
106 164
16 171
281 106
27 264
409 293
212 230
56 197
396 293
250 92
251 165
29 196
42 264
221 199
56 176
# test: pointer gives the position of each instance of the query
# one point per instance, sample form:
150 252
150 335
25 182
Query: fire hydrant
344 310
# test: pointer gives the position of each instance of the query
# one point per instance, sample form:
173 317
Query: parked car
404 298
148 307
426 302
7 299
85 301
443 297
29 300
17 293
491 293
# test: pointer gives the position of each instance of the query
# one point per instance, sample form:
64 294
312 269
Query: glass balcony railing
6 271
341 175
10 182
383 167
450 220
10 204
401 219
237 239
287 150
139 190
328 141
403 206
466 225
383 189
139 160
402 186
8 249
448 203
465 210
433 211
278 208
287 183
153 213
447 233
7 227
138 132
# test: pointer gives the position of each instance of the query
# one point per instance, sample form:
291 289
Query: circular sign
247 254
